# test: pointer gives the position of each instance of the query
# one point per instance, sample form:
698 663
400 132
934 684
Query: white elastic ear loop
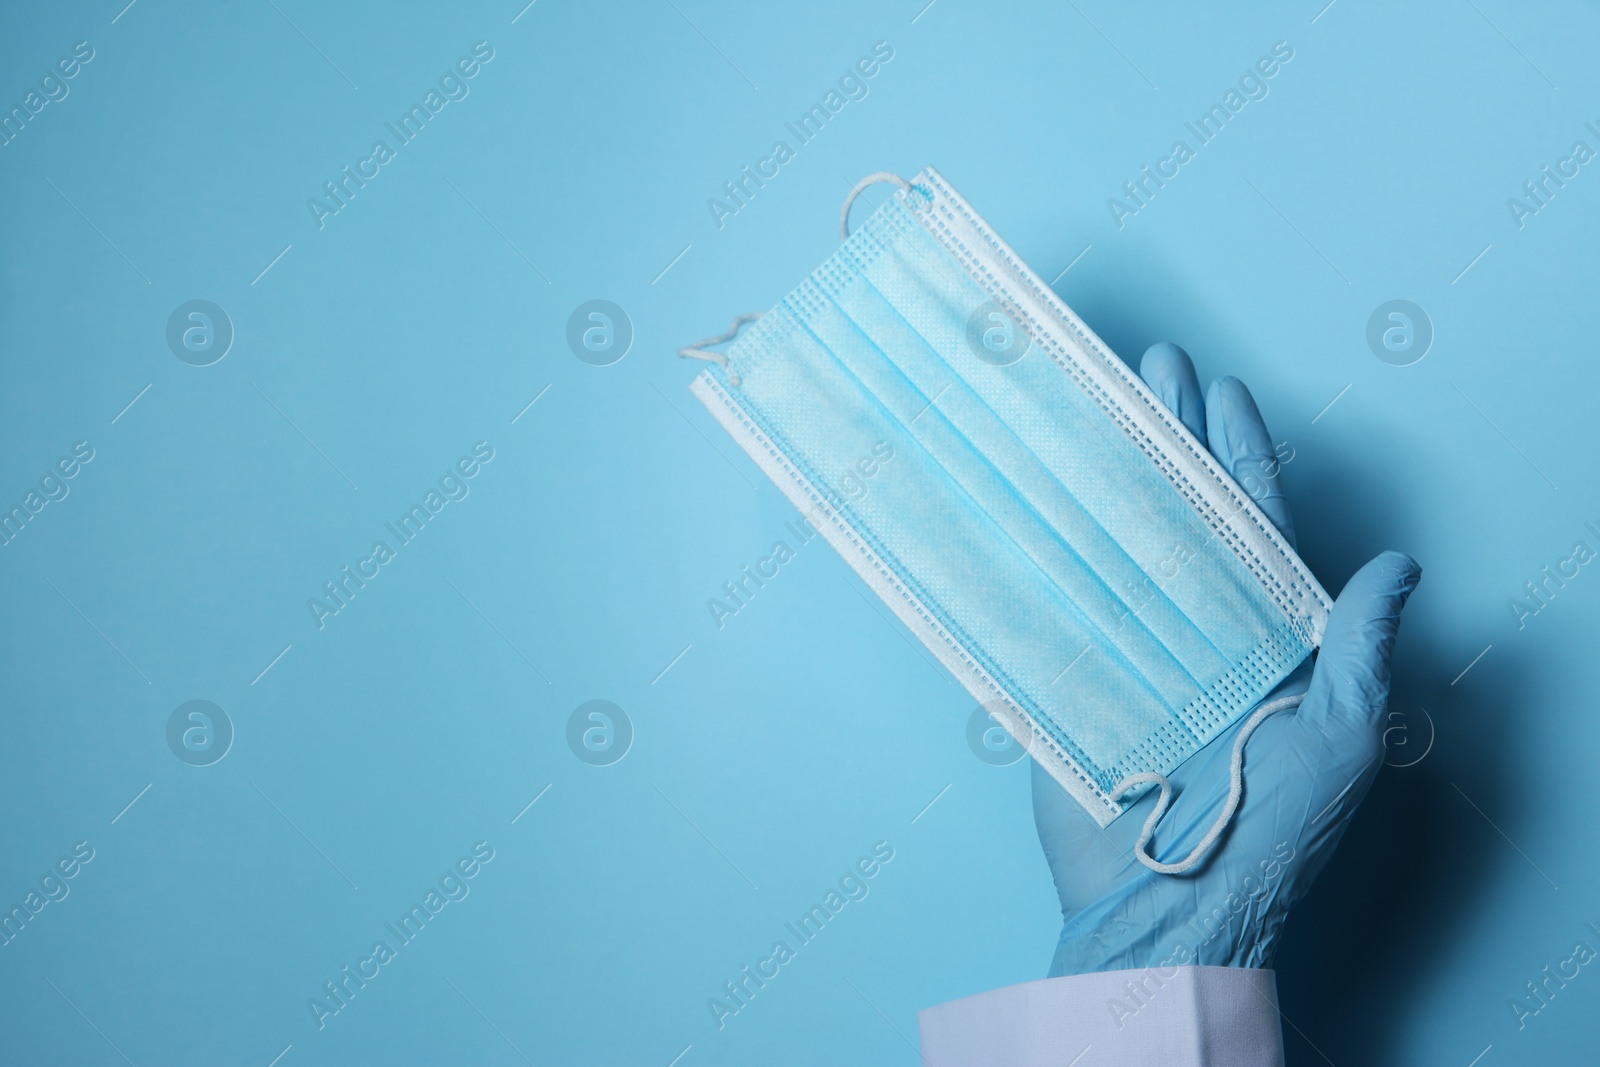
871 179
1235 794
701 349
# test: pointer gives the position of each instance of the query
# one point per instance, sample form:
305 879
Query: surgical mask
1049 530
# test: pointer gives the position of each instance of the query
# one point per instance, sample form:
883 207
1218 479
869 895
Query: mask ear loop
871 179
701 349
1235 794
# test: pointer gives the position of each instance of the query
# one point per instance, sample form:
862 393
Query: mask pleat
952 555
1046 525
1213 597
1091 493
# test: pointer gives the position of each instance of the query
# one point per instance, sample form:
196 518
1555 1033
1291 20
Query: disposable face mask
1046 527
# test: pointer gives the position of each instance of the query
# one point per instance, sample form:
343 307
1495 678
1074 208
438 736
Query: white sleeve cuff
1159 1016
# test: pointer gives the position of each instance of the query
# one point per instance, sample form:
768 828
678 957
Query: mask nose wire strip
1235 794
871 179
702 349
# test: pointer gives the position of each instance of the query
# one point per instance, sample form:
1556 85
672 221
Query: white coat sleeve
1159 1016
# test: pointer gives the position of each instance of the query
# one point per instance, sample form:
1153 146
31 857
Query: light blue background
777 750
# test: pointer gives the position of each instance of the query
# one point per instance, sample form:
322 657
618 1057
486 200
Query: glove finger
1240 441
1085 860
1168 370
1350 685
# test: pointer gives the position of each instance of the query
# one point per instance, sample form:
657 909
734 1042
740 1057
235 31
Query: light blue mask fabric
1055 536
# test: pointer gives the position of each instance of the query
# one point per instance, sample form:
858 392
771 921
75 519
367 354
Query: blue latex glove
1305 769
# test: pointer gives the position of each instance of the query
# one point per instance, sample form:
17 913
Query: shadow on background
1410 872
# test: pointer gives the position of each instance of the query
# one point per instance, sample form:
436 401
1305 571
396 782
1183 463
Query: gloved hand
1305 769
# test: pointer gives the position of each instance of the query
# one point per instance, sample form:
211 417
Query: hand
1305 769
